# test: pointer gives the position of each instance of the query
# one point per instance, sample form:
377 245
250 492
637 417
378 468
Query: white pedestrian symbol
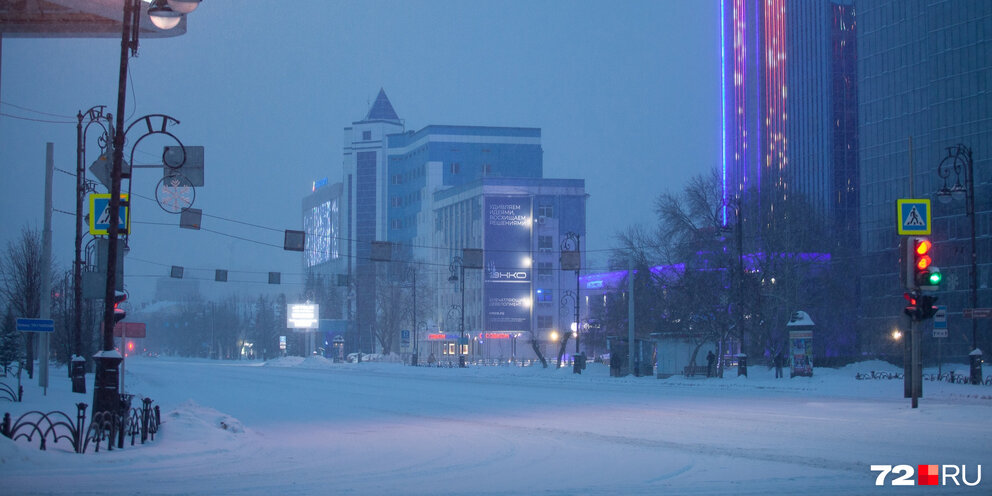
914 219
105 216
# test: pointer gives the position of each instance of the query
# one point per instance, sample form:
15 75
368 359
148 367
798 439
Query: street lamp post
95 115
571 259
735 204
106 394
959 161
471 258
458 265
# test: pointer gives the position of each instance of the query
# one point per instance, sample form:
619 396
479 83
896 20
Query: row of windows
408 199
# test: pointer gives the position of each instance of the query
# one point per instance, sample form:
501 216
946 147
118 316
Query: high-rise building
790 106
924 72
364 188
438 157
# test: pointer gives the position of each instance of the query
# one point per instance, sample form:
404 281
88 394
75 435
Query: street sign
406 345
129 329
100 214
913 216
940 318
35 325
977 313
102 167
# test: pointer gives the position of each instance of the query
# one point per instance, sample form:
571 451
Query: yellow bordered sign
100 215
913 216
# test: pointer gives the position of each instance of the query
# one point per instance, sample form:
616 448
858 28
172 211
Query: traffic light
920 273
919 306
912 306
119 313
926 307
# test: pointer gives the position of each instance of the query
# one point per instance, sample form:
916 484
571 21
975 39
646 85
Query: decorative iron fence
945 377
139 423
8 393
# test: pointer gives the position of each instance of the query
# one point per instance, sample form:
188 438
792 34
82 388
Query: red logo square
927 475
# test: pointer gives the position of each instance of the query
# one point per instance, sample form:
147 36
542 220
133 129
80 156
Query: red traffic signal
119 313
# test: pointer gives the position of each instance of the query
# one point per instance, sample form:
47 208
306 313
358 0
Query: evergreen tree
10 341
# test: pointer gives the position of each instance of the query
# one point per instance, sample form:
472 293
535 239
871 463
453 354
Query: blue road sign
913 216
100 214
35 325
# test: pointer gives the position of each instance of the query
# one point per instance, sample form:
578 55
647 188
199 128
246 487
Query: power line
45 121
28 109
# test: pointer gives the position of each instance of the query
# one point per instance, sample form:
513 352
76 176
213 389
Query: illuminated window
544 296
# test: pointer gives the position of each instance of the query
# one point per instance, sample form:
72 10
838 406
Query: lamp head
163 16
184 6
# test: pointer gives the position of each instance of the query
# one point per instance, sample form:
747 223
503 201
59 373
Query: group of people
778 361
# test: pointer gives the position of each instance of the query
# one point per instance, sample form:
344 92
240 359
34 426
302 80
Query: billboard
302 316
508 268
321 223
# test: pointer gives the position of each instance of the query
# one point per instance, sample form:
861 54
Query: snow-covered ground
294 426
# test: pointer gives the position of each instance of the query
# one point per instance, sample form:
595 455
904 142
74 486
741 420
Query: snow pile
196 421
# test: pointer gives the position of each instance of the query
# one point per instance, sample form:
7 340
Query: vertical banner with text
508 273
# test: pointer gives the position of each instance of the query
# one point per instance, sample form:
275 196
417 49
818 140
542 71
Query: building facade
521 293
431 193
923 74
790 106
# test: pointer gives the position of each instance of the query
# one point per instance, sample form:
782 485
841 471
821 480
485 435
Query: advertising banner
508 268
801 353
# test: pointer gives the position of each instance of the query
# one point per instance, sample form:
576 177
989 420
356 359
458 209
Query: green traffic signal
935 278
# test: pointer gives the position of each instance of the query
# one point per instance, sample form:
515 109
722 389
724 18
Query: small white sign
302 316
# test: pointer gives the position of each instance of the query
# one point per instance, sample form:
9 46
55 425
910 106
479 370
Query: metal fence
110 427
945 377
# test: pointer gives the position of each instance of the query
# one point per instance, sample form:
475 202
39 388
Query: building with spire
427 193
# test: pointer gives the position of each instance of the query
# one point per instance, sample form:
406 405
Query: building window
544 269
395 224
545 243
487 169
545 321
456 167
396 201
544 296
397 179
366 135
546 211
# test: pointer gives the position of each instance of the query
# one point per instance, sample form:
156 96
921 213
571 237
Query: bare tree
20 281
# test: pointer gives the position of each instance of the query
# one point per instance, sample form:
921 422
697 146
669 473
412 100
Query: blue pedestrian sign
100 215
913 216
35 325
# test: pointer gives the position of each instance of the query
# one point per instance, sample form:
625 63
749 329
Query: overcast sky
627 96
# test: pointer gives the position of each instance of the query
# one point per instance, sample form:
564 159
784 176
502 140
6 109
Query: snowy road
316 428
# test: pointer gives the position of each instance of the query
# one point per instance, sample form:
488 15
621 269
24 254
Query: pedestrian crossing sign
100 215
913 216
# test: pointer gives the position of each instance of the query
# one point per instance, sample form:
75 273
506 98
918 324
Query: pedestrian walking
710 360
779 362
